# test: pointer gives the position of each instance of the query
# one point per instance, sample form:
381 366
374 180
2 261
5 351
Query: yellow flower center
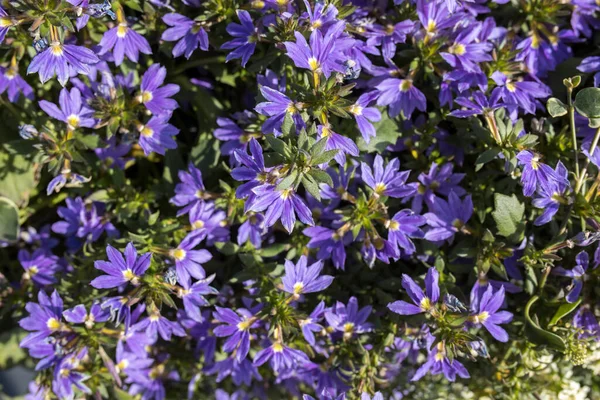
394 225
380 188
146 96
298 287
535 162
122 30
128 274
56 49
73 120
198 224
313 63
405 85
286 193
511 86
33 270
53 324
5 22
356 109
481 318
179 254
425 304
147 131
431 26
457 49
535 41
154 317
349 327
244 325
277 347
325 132
122 365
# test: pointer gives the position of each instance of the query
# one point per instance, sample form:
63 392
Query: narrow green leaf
563 311
311 186
324 157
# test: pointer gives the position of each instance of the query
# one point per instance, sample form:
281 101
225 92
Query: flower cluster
317 199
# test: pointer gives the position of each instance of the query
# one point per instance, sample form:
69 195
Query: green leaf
18 177
273 250
387 134
563 311
321 176
587 102
227 248
10 352
538 335
288 126
556 108
289 180
9 220
276 144
324 157
508 214
318 147
311 186
488 155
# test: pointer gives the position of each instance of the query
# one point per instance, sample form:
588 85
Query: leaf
89 141
387 134
587 102
10 352
289 180
276 144
563 311
18 178
488 155
311 186
538 335
321 176
324 157
508 214
9 220
288 126
556 108
318 148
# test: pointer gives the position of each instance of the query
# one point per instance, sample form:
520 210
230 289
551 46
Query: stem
587 163
491 122
572 126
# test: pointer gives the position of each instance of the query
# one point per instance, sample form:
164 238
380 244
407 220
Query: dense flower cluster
317 199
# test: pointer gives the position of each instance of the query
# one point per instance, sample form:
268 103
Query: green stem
573 130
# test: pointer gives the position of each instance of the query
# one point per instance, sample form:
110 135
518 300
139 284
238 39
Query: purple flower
448 217
209 223
401 96
79 315
335 141
193 297
577 274
155 97
425 302
439 363
585 320
190 34
44 318
280 356
311 325
403 226
300 278
520 93
82 221
157 135
72 111
489 316
551 196
330 244
389 181
252 169
66 376
480 105
591 65
125 41
59 59
251 230
188 262
439 180
535 173
246 36
119 270
236 328
323 55
12 83
365 115
467 51
349 319
156 324
40 266
277 106
280 204
189 193
114 154
387 37
5 24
